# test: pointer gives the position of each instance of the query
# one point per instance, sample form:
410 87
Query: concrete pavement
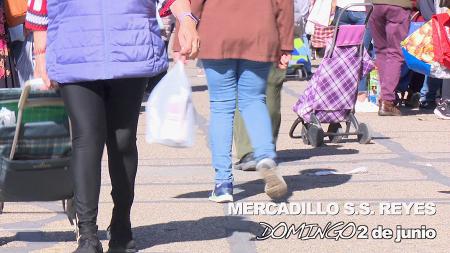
408 161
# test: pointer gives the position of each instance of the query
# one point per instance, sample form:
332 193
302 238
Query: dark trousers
103 112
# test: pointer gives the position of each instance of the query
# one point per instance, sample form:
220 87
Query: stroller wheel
305 135
300 74
2 204
335 128
315 135
364 135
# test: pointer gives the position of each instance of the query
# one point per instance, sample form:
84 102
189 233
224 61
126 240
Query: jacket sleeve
37 19
197 9
285 23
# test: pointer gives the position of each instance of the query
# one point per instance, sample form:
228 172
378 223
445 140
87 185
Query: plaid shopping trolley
35 150
331 94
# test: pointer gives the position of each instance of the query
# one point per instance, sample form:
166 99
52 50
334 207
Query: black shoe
428 105
413 101
442 110
89 244
120 239
247 163
121 247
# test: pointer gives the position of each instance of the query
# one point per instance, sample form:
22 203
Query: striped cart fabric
331 93
45 129
322 36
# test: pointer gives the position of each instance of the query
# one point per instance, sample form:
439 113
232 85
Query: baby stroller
35 151
300 65
332 92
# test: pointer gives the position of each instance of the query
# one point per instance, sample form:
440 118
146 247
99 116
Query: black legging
103 112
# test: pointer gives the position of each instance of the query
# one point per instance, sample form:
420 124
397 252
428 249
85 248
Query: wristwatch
188 14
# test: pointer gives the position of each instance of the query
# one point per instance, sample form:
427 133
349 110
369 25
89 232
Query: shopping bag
15 11
441 42
170 112
321 12
322 36
419 53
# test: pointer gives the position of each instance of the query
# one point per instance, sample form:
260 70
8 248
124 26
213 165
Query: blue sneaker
222 193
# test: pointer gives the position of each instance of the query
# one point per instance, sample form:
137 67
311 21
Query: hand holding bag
170 112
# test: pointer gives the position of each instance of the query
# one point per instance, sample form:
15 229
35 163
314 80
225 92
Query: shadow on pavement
292 155
199 88
204 229
306 180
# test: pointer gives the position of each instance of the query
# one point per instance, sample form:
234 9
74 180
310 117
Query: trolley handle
368 6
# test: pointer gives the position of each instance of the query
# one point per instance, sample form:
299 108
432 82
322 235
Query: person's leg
123 103
252 84
251 101
377 25
222 84
430 88
389 25
86 109
442 110
397 26
241 140
273 100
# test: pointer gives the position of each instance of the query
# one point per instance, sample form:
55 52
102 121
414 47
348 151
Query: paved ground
408 161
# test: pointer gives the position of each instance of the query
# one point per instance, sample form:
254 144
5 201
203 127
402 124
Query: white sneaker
275 187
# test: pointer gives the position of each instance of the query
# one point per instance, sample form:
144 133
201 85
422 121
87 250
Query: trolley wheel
300 74
305 135
335 128
364 135
315 135
2 205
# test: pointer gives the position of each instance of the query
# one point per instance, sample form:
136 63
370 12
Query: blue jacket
102 39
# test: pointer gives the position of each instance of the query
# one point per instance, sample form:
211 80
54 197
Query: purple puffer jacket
103 39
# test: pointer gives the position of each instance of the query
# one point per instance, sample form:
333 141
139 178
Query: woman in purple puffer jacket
101 54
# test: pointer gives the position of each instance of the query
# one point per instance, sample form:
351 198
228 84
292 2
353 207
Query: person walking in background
389 25
428 92
237 62
277 76
20 42
244 150
102 79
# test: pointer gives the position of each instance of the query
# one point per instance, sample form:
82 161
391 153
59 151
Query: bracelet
188 14
39 51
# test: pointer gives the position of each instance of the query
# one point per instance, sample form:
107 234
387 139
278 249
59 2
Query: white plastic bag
170 112
7 117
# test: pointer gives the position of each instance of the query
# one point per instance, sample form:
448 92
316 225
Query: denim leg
222 84
429 89
252 106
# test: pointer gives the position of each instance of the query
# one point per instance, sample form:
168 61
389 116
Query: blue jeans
356 18
429 89
247 80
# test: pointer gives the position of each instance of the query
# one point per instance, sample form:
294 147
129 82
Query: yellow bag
15 11
420 43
